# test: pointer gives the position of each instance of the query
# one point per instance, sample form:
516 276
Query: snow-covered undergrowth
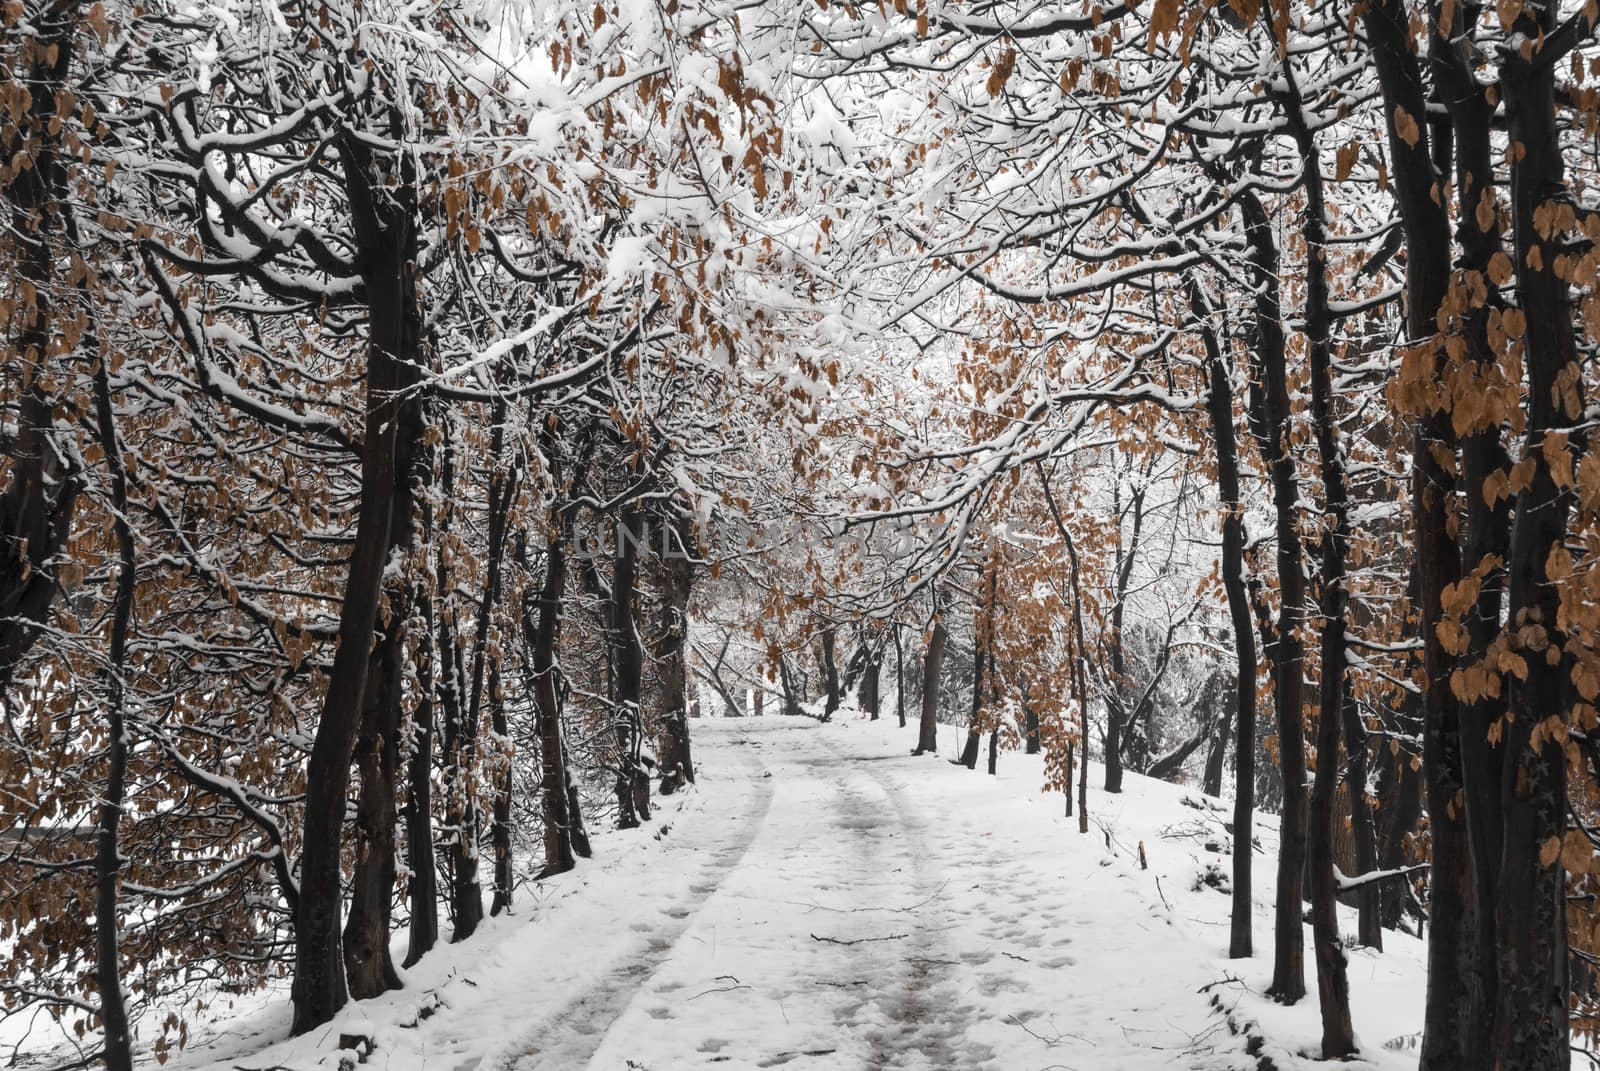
825 900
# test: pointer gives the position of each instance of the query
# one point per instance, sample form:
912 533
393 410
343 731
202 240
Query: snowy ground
825 900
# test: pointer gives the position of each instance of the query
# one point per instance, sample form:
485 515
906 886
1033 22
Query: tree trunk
386 234
542 635
1219 408
1333 986
1066 788
468 893
1270 416
37 505
830 675
1485 537
677 766
899 678
369 967
461 820
1447 1029
424 883
969 751
1400 786
500 817
367 962
982 653
1117 713
1530 1027
628 661
932 666
791 700
868 696
1030 726
1217 746
118 1054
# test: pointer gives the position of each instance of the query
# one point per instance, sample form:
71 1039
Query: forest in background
410 413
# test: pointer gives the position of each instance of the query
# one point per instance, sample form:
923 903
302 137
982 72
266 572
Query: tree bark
1530 1028
1270 420
899 678
868 696
628 660
1219 409
1030 726
542 633
118 1054
1333 986
1417 183
1485 537
37 505
467 892
830 675
369 967
677 765
932 666
385 231
424 883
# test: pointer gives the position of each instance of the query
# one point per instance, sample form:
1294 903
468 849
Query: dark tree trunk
500 819
369 967
677 766
461 820
1363 827
1080 659
899 678
385 231
969 750
1530 1026
543 633
37 505
367 962
465 860
1030 726
1217 745
1219 408
791 699
1066 788
1117 712
1447 1030
932 666
982 654
1270 419
628 662
868 696
1485 537
1400 786
1333 986
118 1052
580 832
424 882
830 675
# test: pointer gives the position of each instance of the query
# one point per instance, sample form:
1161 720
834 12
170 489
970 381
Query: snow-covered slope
826 900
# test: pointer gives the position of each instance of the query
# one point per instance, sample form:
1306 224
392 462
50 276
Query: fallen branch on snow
860 940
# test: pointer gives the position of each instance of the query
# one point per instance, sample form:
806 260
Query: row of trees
339 337
1325 262
351 355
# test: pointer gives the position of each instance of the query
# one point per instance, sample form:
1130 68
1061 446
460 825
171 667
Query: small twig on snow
860 940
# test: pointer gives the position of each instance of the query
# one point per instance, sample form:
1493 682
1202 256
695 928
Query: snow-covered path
826 900
828 937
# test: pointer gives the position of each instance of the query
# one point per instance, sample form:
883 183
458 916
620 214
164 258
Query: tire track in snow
567 1039
929 1019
